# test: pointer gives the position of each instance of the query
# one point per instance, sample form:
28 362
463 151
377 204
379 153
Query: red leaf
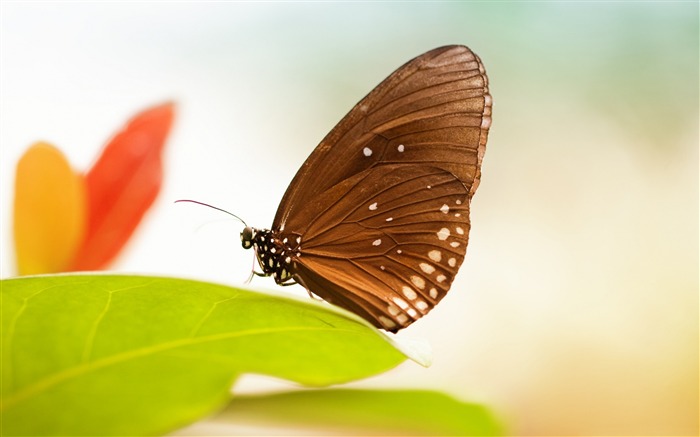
122 185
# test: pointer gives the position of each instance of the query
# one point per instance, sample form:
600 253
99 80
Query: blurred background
576 311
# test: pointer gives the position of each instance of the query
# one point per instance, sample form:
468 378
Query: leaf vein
90 341
199 325
11 333
95 365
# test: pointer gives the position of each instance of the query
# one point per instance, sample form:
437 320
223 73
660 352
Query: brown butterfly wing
392 256
438 103
381 207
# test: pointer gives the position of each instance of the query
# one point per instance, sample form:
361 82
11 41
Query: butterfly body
276 254
377 218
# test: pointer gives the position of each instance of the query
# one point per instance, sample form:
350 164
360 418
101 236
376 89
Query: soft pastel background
577 309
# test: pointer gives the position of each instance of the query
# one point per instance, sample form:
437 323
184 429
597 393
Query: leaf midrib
91 366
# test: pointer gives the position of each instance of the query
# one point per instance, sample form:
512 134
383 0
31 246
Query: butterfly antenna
214 207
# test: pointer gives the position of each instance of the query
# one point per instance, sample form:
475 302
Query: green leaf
374 412
91 354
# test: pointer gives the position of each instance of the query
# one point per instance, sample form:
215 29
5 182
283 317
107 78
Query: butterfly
376 220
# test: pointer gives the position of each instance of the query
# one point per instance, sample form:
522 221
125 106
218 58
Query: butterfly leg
298 280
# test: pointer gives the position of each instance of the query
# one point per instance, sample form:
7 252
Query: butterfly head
248 236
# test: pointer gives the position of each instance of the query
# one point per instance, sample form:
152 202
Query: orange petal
49 211
122 185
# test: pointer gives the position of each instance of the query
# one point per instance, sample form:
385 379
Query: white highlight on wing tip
421 305
367 151
443 234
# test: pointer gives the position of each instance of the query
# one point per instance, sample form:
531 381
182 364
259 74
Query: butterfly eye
247 236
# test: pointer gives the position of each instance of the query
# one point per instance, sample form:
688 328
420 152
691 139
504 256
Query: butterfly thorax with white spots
276 255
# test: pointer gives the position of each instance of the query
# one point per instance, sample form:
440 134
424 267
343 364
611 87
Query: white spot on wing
452 262
427 268
460 231
387 322
367 151
441 278
409 293
402 318
433 293
393 310
418 281
400 148
421 305
377 242
458 202
445 209
390 219
435 255
443 234
400 302
454 244
411 312
373 206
